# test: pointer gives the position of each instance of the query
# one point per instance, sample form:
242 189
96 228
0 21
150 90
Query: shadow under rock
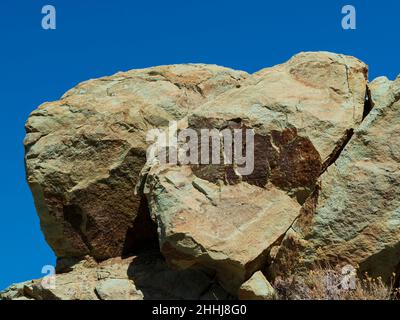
156 280
143 235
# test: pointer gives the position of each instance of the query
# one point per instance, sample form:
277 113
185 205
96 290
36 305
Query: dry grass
329 284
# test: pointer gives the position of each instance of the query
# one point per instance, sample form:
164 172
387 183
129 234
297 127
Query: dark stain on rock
73 215
79 222
296 162
283 158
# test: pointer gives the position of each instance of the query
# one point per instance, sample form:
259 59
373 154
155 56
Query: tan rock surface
321 94
226 228
85 151
212 216
355 216
136 278
257 288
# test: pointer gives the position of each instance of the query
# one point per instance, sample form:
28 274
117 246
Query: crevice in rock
302 221
143 234
340 145
307 211
368 103
235 121
97 294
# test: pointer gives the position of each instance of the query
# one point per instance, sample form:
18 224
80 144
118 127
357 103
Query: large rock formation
317 193
354 216
84 153
301 113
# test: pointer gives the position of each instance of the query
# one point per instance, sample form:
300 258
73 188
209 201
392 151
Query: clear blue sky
98 37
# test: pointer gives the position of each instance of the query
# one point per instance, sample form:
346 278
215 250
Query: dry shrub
329 284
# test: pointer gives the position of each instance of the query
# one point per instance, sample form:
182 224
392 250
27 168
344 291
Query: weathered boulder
85 151
225 228
323 189
257 288
354 216
135 278
301 113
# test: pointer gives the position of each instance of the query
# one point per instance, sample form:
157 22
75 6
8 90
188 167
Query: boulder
257 288
323 186
300 114
84 154
354 216
226 228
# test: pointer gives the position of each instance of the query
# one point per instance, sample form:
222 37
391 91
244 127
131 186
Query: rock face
354 217
322 146
300 112
227 228
321 94
84 154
